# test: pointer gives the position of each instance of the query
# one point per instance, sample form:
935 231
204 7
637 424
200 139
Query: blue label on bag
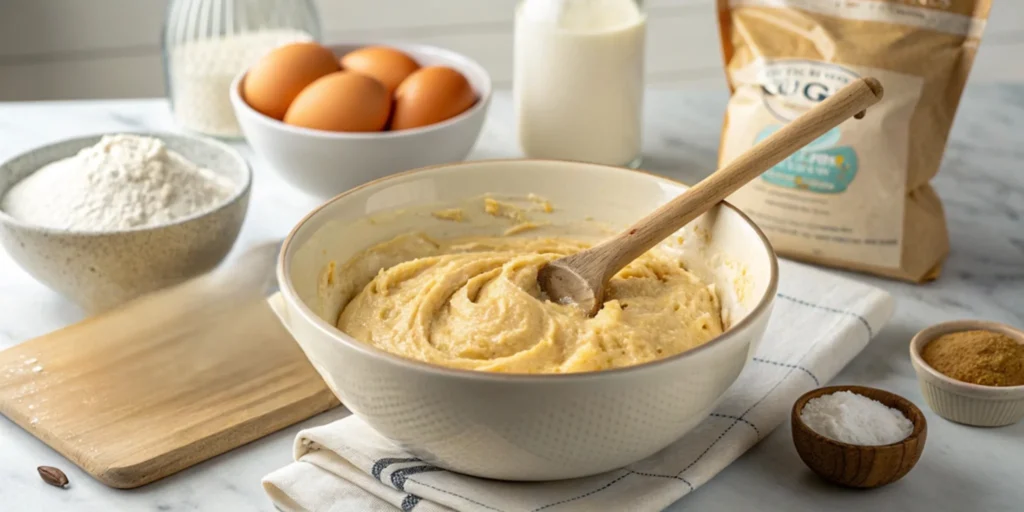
790 87
818 167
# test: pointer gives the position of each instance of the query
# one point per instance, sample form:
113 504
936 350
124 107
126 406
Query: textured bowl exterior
519 427
516 430
99 270
961 402
324 164
863 467
970 410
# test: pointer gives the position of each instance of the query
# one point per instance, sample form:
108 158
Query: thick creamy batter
475 304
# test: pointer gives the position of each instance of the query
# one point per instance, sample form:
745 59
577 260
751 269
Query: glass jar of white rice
207 43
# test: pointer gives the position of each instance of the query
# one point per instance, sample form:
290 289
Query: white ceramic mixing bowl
525 427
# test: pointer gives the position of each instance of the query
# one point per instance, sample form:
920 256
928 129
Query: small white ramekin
970 404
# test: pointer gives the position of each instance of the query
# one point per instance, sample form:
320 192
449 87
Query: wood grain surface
864 467
176 378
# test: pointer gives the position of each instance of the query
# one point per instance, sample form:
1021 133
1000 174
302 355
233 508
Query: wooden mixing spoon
581 278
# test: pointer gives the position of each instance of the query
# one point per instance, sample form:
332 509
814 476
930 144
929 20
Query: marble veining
963 468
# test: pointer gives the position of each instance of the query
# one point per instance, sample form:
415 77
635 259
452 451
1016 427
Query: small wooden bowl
863 467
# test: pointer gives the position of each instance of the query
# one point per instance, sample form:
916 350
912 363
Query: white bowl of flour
105 218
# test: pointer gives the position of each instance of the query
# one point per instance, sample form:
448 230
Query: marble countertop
962 467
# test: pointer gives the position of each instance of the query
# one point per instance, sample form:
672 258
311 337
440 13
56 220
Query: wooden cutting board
177 378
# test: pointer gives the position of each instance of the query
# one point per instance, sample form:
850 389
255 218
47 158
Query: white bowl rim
931 333
242 189
462 60
289 293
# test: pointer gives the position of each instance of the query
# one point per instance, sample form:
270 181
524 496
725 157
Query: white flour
201 73
122 182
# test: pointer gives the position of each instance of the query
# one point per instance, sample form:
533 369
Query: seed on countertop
53 476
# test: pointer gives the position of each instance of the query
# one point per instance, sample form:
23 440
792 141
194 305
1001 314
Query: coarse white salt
851 418
37 369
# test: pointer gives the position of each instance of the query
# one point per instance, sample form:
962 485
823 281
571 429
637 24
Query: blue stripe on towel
399 476
786 365
381 464
737 418
674 477
595 491
409 502
867 325
445 491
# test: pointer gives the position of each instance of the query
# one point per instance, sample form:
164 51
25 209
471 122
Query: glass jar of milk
578 79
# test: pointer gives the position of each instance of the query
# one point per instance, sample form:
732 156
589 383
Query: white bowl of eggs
329 118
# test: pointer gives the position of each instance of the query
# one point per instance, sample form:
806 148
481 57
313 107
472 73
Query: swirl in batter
475 304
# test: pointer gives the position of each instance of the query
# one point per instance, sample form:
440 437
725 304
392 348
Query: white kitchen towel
821 321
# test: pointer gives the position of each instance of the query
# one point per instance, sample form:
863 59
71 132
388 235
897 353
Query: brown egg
431 95
388 65
273 83
341 102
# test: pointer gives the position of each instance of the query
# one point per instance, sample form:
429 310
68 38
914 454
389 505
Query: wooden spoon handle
652 229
